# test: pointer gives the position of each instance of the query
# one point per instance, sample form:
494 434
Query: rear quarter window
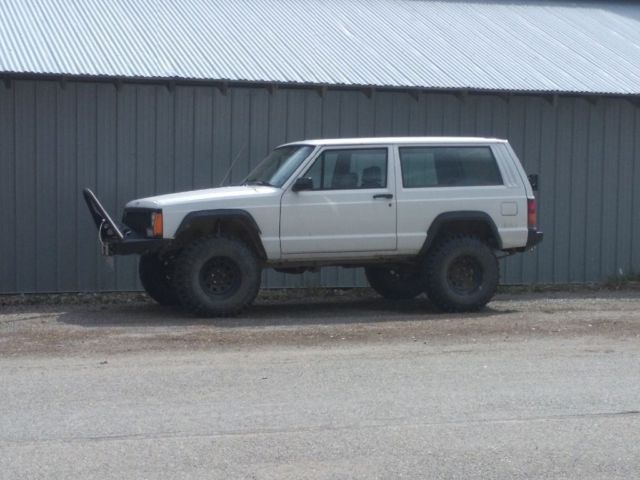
448 167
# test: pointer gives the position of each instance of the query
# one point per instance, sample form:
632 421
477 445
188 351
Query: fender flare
212 217
441 221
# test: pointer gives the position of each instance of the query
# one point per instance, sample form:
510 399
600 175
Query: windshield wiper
258 182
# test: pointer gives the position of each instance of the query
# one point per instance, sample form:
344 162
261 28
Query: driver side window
349 169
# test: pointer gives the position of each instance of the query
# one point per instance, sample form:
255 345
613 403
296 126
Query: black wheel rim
464 275
220 276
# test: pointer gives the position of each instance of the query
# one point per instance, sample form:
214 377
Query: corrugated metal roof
503 45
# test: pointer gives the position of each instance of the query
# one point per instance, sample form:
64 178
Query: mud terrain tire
461 274
217 276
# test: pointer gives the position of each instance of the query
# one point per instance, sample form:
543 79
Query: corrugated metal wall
138 140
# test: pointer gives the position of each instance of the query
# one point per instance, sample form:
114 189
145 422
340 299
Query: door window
448 167
349 169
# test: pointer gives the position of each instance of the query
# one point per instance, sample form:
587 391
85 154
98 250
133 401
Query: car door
349 208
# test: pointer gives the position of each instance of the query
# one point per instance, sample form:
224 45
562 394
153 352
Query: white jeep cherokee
419 214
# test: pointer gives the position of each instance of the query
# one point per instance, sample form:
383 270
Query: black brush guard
116 238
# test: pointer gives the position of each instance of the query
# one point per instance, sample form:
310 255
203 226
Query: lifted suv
419 214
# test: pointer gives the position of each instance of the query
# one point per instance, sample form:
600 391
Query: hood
203 196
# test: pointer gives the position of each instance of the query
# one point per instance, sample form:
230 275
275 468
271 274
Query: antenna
226 175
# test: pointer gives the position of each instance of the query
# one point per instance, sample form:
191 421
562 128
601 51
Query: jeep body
386 204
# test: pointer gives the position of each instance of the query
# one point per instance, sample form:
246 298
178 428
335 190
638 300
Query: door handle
383 195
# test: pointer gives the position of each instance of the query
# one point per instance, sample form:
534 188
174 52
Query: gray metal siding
136 140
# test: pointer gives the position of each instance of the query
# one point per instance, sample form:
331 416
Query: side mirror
533 180
302 183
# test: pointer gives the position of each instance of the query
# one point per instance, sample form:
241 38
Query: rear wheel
156 274
461 274
395 283
217 276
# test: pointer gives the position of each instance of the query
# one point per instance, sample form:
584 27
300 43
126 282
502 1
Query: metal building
138 98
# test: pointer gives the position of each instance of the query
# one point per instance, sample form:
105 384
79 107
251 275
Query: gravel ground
128 323
329 385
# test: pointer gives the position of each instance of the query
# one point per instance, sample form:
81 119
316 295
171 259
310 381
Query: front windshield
276 169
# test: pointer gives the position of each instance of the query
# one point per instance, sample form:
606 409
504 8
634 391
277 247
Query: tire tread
435 290
185 265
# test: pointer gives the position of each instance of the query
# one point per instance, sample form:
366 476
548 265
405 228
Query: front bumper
115 237
130 246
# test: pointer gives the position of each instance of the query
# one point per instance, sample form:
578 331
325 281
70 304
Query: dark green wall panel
134 140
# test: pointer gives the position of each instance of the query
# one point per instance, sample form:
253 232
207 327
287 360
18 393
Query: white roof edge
394 141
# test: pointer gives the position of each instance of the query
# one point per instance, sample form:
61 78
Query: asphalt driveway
332 386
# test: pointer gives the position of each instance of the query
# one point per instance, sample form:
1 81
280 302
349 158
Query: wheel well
477 224
240 226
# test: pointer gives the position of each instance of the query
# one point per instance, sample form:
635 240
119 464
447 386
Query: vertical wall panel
545 196
184 135
401 107
595 165
609 206
67 133
86 112
312 114
165 139
417 107
25 164
562 191
434 114
468 107
203 140
451 118
46 211
221 137
106 157
240 134
126 277
259 138
7 189
145 140
134 140
579 191
383 123
625 187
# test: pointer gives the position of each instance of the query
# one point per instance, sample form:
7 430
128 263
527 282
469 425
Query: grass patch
623 282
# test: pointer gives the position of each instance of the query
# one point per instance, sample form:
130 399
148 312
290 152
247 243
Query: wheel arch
462 222
233 222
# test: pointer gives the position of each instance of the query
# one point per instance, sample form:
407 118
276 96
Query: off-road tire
156 273
217 276
461 274
395 283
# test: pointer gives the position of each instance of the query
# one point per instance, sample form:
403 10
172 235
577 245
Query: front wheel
395 283
217 276
461 274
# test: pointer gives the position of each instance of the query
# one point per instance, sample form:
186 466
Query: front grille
137 219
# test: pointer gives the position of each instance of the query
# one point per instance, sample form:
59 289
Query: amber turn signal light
156 224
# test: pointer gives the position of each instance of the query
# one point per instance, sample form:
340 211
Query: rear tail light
532 214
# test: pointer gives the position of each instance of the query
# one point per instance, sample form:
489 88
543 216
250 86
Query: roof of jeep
397 140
